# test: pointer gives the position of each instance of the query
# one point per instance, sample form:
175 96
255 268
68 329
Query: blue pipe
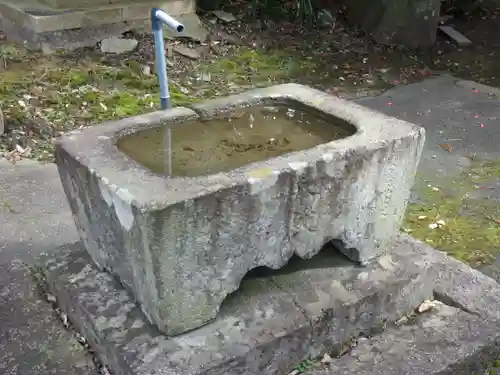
158 19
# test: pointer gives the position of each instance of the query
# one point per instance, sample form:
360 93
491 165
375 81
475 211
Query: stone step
38 16
444 341
278 319
42 27
270 325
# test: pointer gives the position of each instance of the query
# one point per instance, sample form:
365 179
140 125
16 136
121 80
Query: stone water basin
257 178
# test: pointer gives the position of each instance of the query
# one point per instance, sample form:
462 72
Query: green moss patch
259 66
471 229
42 97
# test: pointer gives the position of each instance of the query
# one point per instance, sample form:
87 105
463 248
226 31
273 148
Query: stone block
61 25
412 23
444 341
182 244
272 323
342 301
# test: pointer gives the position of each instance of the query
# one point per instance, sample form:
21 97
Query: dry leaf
446 146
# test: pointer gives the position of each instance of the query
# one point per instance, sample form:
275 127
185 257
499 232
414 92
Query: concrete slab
63 26
451 111
33 341
34 213
267 327
278 319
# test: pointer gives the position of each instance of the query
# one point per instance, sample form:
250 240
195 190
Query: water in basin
233 140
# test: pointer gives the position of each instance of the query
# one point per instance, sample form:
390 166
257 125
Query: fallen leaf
446 146
425 306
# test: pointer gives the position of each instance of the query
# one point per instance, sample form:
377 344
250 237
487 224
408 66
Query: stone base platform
311 307
444 341
63 25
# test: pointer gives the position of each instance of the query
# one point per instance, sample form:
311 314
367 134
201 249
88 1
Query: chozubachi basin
257 178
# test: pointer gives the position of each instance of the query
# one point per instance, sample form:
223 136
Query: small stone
26 153
224 16
118 45
456 37
146 70
221 36
326 359
169 50
362 340
194 29
206 77
51 298
82 340
325 18
187 52
64 318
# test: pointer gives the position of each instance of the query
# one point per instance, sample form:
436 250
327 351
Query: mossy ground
471 231
42 97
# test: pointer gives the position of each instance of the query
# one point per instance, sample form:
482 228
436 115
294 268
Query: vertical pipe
161 71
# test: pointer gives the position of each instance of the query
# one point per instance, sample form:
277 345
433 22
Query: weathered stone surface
187 52
412 23
224 16
445 341
118 45
49 28
271 324
194 29
183 244
456 37
32 339
343 301
259 331
466 287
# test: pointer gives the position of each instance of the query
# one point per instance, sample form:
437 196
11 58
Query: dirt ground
43 97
